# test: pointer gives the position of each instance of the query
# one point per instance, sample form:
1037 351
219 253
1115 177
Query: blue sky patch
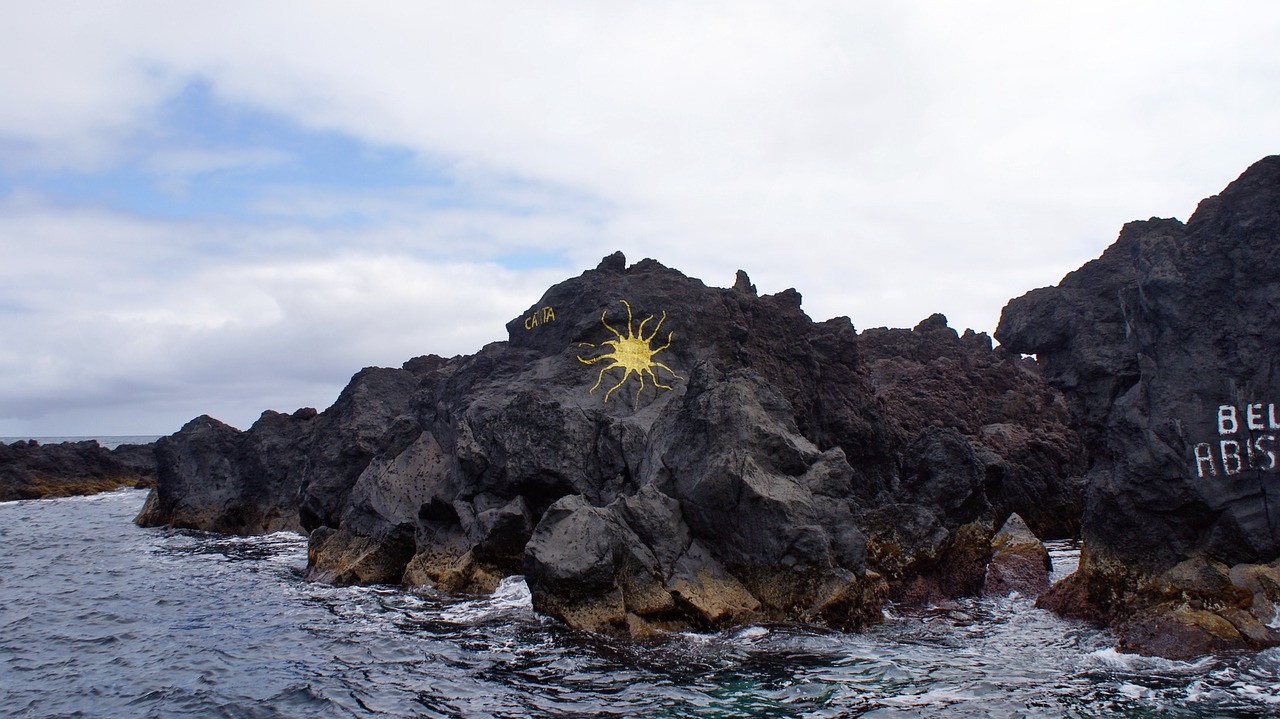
204 157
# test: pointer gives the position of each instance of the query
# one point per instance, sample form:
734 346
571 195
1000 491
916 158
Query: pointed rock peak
788 298
617 262
743 283
1014 531
934 323
649 264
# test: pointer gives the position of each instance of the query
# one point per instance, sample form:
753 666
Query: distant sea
110 442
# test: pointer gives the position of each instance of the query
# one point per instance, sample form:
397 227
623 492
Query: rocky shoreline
31 470
653 453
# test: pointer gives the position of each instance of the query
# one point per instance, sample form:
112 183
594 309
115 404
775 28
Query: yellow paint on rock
634 353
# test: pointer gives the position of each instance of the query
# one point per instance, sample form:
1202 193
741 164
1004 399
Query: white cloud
103 318
888 160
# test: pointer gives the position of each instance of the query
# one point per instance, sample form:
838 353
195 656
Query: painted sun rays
634 353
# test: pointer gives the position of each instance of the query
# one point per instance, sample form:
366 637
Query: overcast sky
228 207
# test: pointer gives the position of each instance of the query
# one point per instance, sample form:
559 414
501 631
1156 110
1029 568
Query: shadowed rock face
1165 347
30 470
652 453
1020 428
215 477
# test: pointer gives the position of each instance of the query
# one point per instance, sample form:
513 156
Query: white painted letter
1255 416
1229 457
1205 454
1271 415
1227 423
1271 455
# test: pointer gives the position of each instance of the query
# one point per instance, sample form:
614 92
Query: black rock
1021 429
654 453
1019 562
214 477
1165 349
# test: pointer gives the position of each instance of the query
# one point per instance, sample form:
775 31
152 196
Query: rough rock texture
214 477
30 470
1165 349
654 453
1021 428
1019 561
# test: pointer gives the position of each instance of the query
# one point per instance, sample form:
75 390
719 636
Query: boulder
1164 348
1019 561
31 470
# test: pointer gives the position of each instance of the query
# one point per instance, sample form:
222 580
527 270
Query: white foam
511 595
1133 691
1275 618
1113 659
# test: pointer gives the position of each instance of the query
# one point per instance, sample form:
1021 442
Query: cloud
226 176
128 320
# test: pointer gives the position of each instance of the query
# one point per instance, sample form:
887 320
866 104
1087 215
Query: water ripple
99 618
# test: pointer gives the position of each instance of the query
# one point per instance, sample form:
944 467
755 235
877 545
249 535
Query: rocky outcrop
989 438
1019 562
651 453
1164 347
30 470
1021 429
214 477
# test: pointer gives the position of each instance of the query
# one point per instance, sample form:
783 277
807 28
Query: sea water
101 618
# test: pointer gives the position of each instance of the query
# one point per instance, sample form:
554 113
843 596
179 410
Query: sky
223 208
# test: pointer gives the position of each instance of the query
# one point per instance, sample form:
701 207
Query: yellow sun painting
633 353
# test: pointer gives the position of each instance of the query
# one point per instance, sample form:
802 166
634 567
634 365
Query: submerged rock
31 470
1165 349
653 453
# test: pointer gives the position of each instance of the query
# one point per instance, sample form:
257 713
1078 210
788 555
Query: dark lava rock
990 438
1165 349
1019 562
1020 427
214 477
654 453
30 470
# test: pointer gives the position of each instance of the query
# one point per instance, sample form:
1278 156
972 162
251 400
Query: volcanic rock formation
30 470
221 479
1165 347
652 453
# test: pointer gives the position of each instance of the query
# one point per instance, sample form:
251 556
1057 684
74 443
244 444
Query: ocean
101 618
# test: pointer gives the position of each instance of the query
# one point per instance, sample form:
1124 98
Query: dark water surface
99 618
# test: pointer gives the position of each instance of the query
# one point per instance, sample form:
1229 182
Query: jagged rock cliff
1165 347
651 452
